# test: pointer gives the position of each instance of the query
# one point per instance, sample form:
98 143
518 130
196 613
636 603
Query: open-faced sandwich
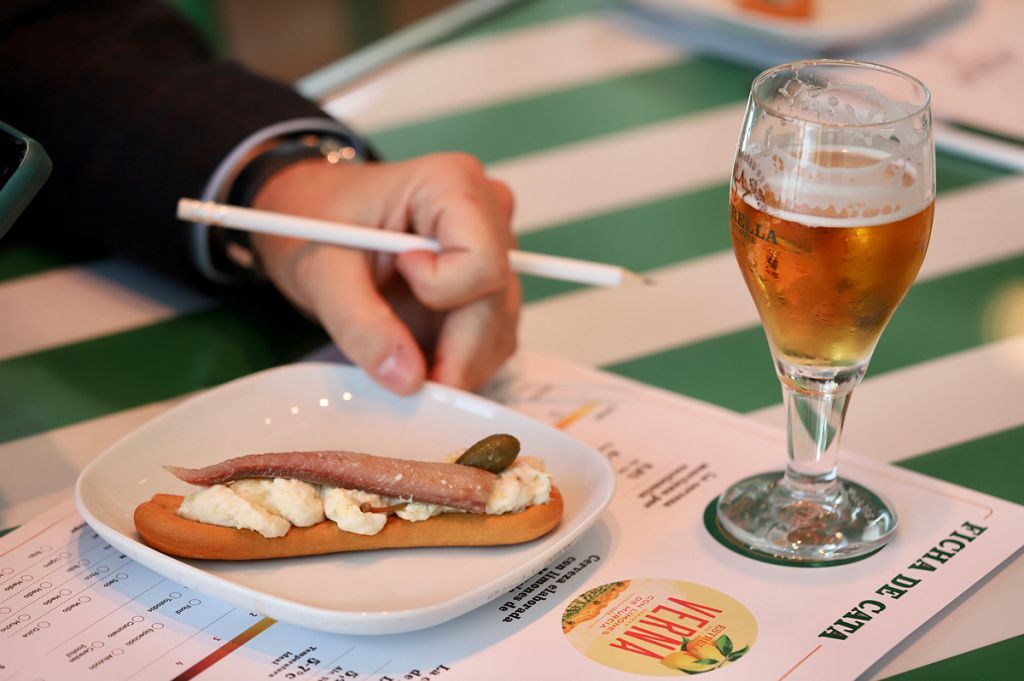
304 503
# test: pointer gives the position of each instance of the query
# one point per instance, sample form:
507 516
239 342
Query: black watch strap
231 249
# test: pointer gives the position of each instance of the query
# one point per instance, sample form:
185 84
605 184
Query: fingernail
395 373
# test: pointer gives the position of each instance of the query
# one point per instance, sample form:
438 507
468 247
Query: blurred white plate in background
832 24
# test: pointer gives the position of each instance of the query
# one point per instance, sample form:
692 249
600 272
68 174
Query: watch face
12 153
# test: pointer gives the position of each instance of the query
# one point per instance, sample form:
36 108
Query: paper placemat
646 591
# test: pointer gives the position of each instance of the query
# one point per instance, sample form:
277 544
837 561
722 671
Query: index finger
470 217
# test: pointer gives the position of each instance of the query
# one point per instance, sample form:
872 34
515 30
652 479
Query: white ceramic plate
329 406
834 24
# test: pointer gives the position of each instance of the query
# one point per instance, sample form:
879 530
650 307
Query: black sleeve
135 113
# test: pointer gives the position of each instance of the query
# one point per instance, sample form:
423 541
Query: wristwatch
231 250
250 164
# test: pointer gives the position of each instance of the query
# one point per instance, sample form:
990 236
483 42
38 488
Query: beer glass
830 214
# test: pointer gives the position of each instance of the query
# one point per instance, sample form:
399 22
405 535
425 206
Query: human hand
462 304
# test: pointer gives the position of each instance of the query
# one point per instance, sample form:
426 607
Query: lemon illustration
679 660
704 649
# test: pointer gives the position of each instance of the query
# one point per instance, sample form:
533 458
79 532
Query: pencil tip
629 277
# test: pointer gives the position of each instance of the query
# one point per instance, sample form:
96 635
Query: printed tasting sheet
648 590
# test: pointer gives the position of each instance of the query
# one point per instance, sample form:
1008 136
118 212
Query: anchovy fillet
448 484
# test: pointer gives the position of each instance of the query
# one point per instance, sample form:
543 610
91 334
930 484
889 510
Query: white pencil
370 239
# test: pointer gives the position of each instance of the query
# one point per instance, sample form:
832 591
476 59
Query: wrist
236 251
219 183
310 150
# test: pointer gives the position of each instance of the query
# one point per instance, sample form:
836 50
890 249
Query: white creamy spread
218 505
520 485
296 501
416 511
271 507
342 506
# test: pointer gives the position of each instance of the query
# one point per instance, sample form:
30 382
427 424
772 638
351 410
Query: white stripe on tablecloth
498 68
73 304
934 404
705 297
615 171
62 453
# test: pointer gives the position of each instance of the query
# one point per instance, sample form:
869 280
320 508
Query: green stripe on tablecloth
590 110
1001 476
938 317
645 228
675 229
641 237
65 385
86 380
20 259
956 172
997 661
8 529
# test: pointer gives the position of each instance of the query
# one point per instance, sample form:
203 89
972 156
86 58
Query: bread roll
160 526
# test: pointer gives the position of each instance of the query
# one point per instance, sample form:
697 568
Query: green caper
494 453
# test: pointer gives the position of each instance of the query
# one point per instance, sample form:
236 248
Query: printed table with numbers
618 148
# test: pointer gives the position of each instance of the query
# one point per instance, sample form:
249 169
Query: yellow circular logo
659 627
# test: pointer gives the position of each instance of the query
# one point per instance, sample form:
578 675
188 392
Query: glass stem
815 413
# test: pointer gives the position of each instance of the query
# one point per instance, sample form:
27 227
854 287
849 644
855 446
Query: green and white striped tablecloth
618 148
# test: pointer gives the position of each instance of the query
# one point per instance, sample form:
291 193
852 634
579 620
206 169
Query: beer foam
875 190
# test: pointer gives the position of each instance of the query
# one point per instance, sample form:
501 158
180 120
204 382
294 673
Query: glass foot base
767 519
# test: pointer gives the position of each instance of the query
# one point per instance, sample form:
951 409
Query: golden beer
825 293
